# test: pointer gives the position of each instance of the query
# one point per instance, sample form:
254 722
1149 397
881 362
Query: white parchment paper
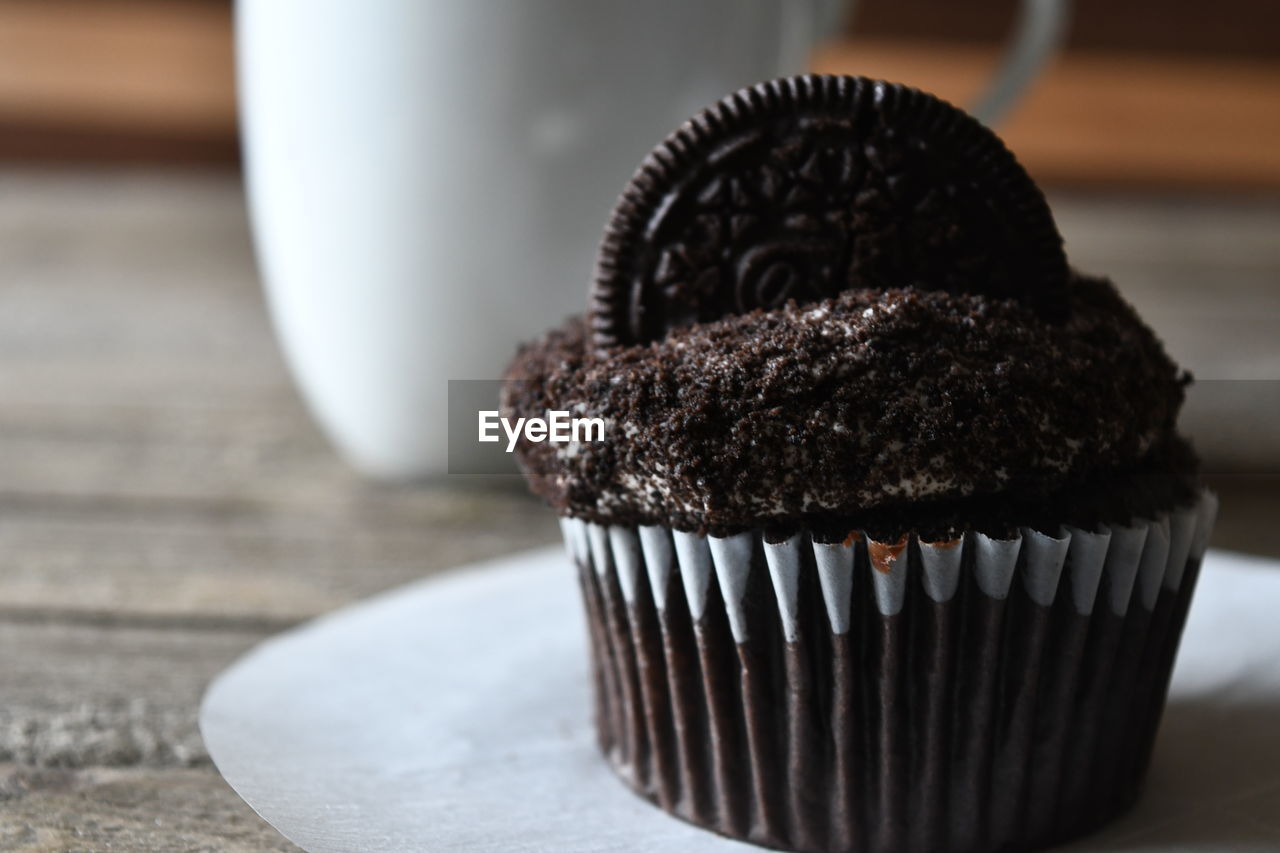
453 715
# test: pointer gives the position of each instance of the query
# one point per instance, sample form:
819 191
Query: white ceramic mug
428 179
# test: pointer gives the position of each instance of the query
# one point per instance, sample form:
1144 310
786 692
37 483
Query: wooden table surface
165 503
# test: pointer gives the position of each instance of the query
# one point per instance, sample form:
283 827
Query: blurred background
167 501
1151 94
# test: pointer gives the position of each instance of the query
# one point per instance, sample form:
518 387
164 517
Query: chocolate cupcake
890 537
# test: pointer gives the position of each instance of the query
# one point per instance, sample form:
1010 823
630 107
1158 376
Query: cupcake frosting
873 408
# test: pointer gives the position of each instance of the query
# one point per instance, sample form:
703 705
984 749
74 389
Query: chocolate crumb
887 411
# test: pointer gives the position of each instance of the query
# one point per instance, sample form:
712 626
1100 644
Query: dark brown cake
890 538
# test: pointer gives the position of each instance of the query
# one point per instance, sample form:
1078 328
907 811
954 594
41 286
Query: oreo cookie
804 187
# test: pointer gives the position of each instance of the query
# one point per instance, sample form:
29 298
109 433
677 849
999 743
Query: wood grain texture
109 695
129 809
156 458
166 503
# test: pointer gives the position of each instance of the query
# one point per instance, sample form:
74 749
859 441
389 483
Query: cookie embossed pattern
805 187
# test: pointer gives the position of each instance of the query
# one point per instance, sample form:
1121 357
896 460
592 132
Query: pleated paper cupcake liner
972 695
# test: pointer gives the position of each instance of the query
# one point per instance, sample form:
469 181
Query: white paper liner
1156 551
1092 606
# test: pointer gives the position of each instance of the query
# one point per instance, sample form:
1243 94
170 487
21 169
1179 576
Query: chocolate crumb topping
892 411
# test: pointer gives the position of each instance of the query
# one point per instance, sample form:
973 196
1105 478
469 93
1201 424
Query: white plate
453 715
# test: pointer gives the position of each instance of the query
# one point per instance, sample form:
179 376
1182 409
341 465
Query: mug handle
1041 28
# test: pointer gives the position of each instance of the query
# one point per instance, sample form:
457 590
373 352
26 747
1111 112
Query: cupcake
889 538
